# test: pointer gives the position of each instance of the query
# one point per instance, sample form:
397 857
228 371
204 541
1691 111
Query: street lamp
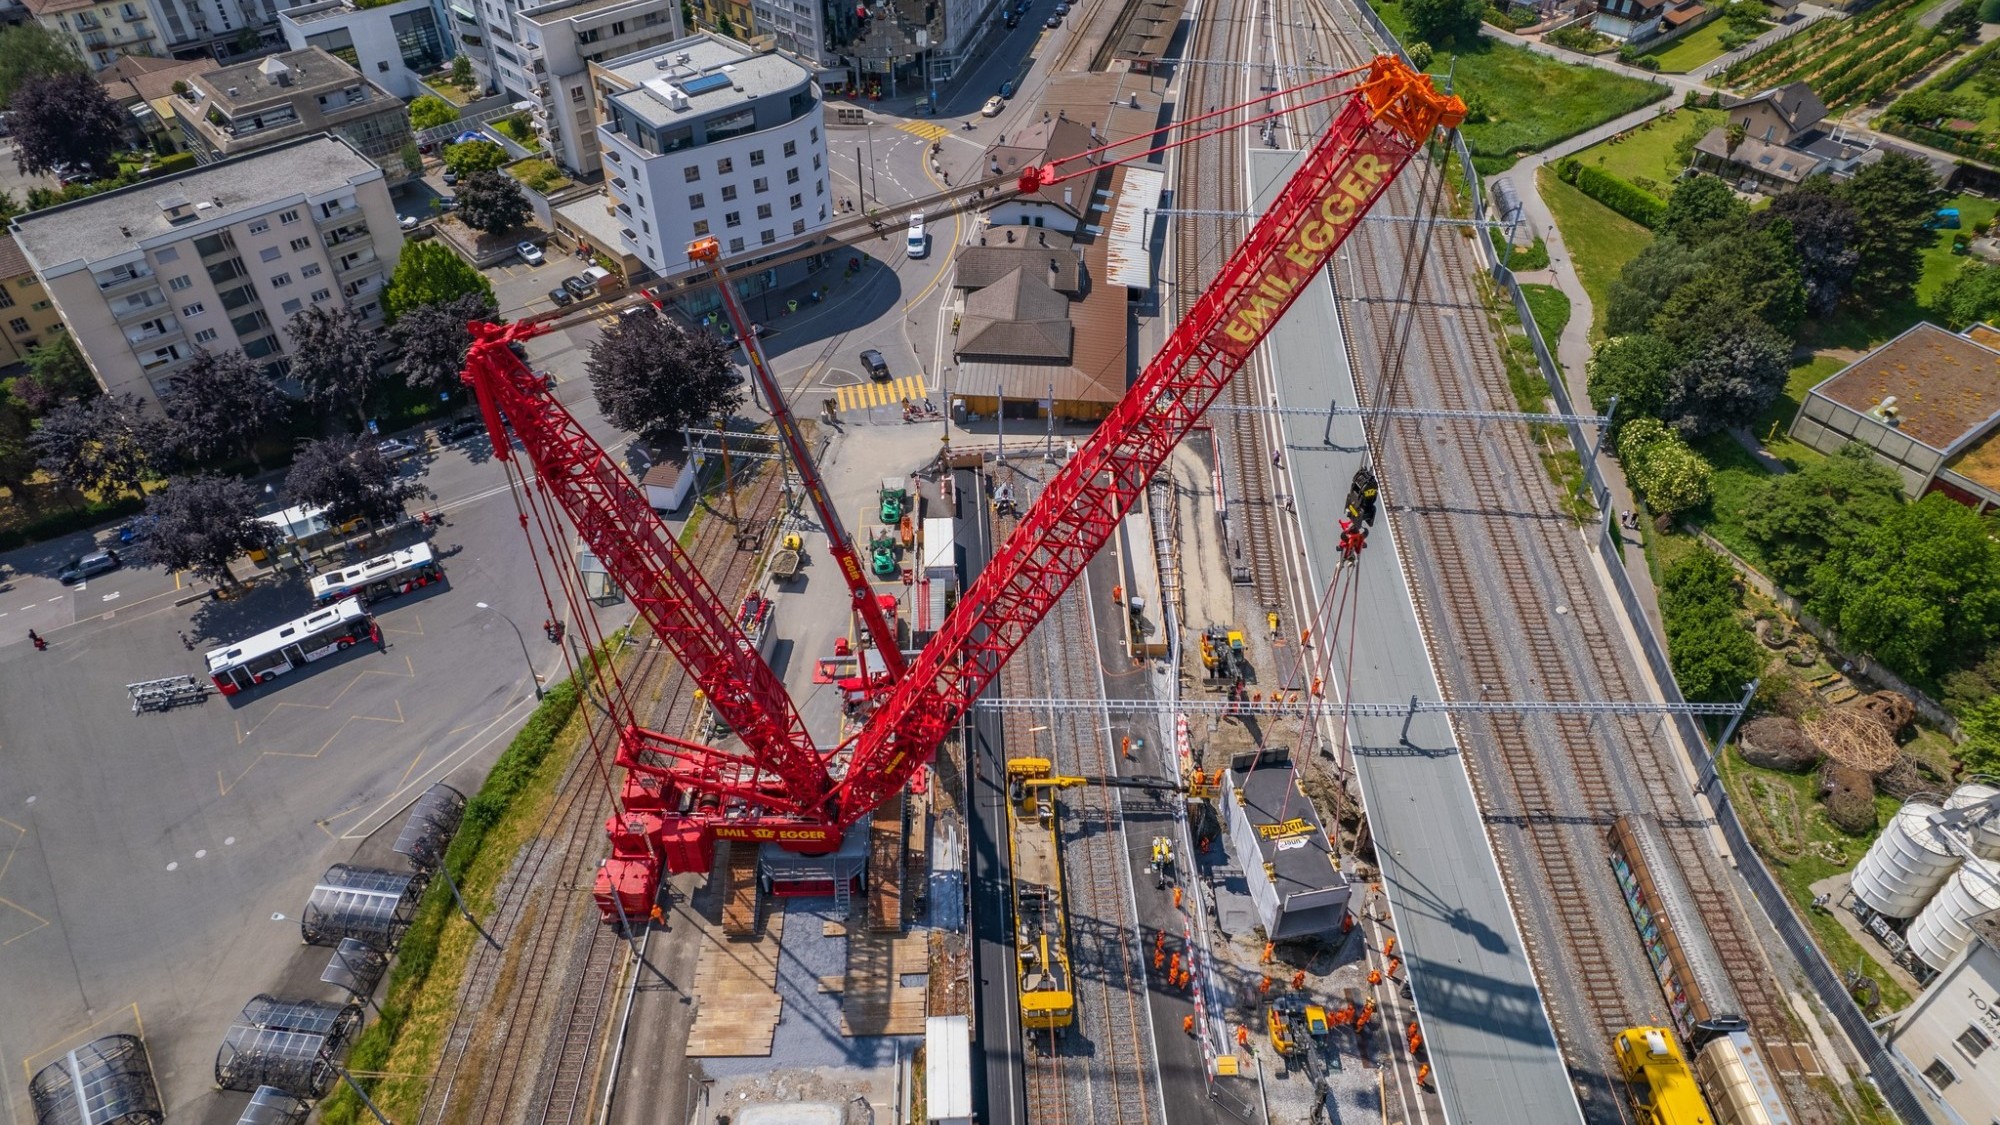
533 677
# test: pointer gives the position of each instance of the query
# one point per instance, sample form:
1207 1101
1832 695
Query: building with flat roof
217 257
254 105
27 316
1927 403
562 40
144 87
101 31
393 45
1950 1037
1275 835
708 137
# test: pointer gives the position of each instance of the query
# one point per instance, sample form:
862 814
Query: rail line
525 1043
1211 171
1510 608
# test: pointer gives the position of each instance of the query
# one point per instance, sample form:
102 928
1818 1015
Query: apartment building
254 105
561 40
217 257
393 45
101 31
707 136
27 316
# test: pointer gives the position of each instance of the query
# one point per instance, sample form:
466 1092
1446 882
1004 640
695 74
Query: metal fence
1889 1079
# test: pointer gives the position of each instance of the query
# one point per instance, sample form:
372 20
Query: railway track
1511 608
525 1043
1211 172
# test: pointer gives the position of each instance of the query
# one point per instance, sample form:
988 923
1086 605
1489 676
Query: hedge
414 958
73 520
1639 206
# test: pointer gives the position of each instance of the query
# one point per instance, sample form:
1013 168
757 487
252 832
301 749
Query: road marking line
924 129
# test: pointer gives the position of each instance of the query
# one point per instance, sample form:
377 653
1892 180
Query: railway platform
1493 1051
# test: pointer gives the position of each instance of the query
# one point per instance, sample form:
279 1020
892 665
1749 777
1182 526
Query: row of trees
59 114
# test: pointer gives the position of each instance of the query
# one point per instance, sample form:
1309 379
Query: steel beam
1296 703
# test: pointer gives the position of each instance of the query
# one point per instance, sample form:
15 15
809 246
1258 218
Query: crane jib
1349 189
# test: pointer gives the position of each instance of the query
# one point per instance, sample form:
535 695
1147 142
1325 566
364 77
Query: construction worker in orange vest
1264 987
1299 981
1242 1035
1424 1074
1118 594
1389 946
1187 1024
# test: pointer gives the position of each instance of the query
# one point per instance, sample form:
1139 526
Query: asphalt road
152 867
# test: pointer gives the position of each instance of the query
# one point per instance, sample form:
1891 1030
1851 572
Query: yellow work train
1041 930
1663 1090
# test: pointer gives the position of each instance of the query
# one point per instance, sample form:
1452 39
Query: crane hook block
1035 177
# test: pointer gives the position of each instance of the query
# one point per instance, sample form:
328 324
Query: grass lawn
1532 101
1738 475
1940 264
1600 240
1770 427
1848 331
1647 156
1550 307
1802 847
1695 48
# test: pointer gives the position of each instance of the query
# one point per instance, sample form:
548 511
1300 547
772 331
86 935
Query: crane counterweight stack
777 788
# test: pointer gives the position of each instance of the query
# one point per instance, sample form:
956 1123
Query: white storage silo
1945 926
1985 836
1906 865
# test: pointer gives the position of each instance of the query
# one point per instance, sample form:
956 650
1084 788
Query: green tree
29 50
1918 588
430 273
1797 518
1646 282
652 376
1972 295
1446 22
1825 236
461 72
1728 377
431 111
1670 477
1753 271
1712 654
474 156
1639 369
1989 11
723 25
56 374
247 41
1699 207
1892 200
491 202
17 454
201 524
1962 21
1980 724
1420 54
65 119
412 158
334 357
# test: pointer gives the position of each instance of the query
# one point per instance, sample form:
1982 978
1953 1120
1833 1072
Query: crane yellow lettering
1296 826
1315 236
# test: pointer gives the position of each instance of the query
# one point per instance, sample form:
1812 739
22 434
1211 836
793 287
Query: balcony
161 329
137 305
123 278
348 233
322 217
353 262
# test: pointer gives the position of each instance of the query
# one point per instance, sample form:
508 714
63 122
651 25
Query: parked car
530 253
89 566
1062 9
561 296
395 449
460 429
577 286
1011 22
873 363
1052 22
993 106
450 178
1007 88
407 222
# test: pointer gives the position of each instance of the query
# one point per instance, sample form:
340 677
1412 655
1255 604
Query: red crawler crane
778 787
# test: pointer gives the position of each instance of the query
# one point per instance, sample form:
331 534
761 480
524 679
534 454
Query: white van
919 244
597 277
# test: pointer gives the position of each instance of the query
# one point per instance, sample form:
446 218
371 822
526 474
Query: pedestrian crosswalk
888 393
924 129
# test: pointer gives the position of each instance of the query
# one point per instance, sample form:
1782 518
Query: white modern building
561 40
707 136
393 45
216 258
1951 1035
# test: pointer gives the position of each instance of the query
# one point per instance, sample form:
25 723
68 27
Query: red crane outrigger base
680 797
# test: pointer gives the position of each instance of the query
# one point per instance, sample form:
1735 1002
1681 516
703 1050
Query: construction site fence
1889 1078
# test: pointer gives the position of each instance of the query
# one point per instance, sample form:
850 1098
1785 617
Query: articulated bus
274 652
383 576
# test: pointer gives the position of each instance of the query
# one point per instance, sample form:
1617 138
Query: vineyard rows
1847 62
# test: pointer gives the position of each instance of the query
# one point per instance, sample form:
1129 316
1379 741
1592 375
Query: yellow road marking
889 393
923 129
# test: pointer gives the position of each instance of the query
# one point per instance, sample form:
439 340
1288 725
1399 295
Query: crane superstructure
778 787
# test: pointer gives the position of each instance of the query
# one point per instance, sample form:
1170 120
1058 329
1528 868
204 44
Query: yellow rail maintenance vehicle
1657 1078
1041 928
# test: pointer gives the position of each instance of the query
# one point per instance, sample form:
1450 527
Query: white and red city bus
383 576
274 652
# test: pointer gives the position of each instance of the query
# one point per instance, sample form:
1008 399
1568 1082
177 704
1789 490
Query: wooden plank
739 904
736 994
832 927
